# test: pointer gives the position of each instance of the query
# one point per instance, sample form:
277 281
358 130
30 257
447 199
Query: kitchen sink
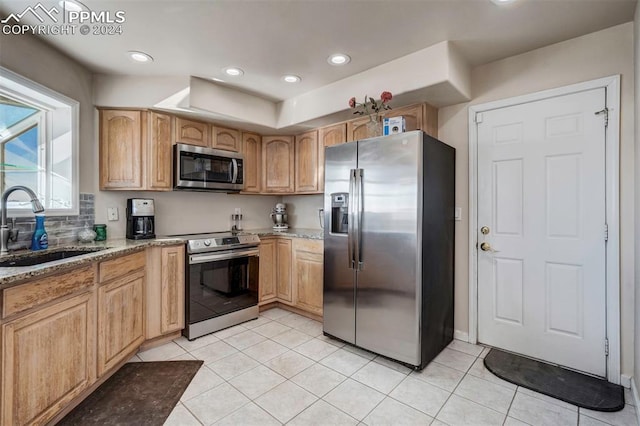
38 258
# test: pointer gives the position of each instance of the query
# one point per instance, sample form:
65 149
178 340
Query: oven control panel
215 243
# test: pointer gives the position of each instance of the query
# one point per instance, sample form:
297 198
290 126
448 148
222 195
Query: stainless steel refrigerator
388 245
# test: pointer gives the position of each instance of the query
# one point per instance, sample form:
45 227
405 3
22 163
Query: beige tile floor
280 369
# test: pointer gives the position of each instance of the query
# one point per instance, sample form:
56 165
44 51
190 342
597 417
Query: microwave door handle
235 170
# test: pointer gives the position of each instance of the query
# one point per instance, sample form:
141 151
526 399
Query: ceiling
270 38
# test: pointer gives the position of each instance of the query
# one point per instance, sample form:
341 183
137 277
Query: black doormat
557 382
140 393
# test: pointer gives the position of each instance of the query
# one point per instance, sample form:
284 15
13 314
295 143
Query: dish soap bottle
40 239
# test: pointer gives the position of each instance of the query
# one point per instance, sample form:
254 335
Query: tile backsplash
60 229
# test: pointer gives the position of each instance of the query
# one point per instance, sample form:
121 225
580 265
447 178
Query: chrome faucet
5 232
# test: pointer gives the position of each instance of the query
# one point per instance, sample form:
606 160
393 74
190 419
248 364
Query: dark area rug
140 393
557 382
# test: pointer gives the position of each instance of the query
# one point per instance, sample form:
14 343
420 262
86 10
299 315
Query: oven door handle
212 257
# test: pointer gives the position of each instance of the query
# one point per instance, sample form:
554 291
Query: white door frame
612 185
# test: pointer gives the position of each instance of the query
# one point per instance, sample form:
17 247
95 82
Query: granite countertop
312 234
12 275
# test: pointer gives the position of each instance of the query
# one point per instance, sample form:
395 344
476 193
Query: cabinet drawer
114 268
26 296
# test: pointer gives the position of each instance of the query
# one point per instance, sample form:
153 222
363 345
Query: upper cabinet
192 132
252 153
277 164
329 136
135 150
357 128
306 162
227 139
417 117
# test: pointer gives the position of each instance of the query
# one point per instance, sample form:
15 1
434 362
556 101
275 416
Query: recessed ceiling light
234 71
339 59
291 78
69 5
139 56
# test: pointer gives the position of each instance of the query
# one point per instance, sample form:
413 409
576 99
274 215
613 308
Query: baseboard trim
636 398
625 381
461 335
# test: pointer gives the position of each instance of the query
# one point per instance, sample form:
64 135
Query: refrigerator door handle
351 218
359 214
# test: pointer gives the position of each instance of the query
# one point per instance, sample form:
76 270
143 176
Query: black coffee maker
140 218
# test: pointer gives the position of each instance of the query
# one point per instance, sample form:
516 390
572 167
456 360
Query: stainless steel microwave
198 168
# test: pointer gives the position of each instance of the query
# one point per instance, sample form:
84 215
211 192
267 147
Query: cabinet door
252 153
357 129
49 358
268 271
283 249
121 149
172 285
227 139
120 319
329 136
306 162
307 275
159 152
277 164
192 132
412 116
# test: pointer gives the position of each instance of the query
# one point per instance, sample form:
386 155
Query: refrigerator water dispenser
339 213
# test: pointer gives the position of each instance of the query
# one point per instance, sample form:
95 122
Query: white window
38 146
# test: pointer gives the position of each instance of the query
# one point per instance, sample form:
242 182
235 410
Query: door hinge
604 111
478 117
606 232
606 347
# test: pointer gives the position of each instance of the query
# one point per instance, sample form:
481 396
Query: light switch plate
112 214
458 215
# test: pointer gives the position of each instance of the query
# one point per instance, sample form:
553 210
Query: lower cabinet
120 319
291 272
307 275
165 290
48 358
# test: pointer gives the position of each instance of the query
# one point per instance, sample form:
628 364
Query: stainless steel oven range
221 281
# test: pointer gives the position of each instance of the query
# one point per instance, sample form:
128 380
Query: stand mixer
279 217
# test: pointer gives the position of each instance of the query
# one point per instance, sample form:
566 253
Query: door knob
487 247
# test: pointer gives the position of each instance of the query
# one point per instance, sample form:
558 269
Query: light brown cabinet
357 128
307 162
329 136
159 153
278 164
164 290
121 149
192 132
283 287
268 271
308 267
48 360
417 117
135 150
120 319
252 152
226 139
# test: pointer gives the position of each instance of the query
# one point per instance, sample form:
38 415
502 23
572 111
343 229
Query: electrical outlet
458 215
112 214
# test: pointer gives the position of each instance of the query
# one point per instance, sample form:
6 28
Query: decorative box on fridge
393 125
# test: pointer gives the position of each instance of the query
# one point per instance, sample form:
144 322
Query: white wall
592 56
37 61
302 210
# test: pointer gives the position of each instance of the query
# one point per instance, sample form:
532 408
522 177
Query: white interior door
541 197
